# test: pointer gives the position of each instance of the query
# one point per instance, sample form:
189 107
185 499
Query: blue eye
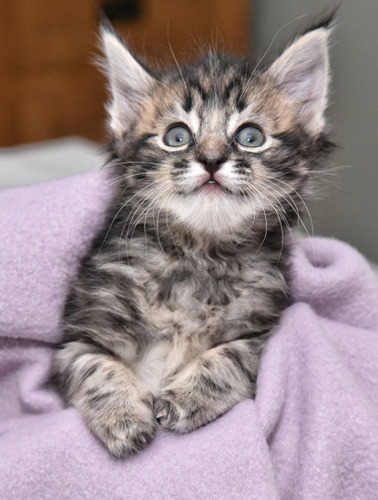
250 137
177 136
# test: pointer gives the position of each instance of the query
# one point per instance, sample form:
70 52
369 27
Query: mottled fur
175 301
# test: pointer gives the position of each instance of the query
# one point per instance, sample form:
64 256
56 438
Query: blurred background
48 86
52 97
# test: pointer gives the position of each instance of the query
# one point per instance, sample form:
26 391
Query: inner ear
129 82
302 74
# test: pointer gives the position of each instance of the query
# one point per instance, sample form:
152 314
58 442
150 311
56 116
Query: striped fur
175 301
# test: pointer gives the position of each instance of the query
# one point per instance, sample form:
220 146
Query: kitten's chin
211 211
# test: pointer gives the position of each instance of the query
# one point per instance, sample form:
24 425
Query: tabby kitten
172 307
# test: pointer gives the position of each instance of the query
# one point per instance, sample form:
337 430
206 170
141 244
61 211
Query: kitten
173 305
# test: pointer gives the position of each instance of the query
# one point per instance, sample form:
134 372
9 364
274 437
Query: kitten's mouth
209 185
212 186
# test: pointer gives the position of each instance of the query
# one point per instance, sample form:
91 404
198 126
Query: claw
161 414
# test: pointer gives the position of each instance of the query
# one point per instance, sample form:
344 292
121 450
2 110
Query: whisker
175 60
252 191
156 222
139 204
310 233
168 228
123 206
132 226
280 215
126 177
304 205
266 219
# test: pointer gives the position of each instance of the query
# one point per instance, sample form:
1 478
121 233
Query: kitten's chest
197 301
189 309
191 306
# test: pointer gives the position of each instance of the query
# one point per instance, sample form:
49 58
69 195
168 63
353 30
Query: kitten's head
220 146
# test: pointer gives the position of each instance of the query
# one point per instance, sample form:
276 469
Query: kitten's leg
209 386
114 404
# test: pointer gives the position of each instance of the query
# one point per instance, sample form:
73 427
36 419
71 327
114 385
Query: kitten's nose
211 152
211 165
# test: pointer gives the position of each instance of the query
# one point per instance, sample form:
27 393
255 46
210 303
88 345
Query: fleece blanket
311 433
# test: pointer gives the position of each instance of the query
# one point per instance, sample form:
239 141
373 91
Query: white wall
350 209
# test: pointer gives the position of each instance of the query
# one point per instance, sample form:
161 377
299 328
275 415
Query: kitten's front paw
125 427
181 413
166 413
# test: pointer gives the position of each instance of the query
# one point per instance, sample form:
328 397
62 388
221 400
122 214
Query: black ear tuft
326 21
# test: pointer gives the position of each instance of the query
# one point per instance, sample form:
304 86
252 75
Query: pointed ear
302 73
129 82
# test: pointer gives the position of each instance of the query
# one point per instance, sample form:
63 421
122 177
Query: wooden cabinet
48 85
49 88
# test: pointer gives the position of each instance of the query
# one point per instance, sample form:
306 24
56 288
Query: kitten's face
218 148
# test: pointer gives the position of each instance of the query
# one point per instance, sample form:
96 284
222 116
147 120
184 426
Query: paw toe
166 413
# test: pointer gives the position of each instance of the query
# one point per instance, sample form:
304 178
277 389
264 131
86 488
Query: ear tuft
129 82
302 73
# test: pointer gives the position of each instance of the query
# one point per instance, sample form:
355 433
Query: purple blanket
311 433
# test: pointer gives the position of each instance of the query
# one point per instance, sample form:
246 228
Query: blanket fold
311 433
